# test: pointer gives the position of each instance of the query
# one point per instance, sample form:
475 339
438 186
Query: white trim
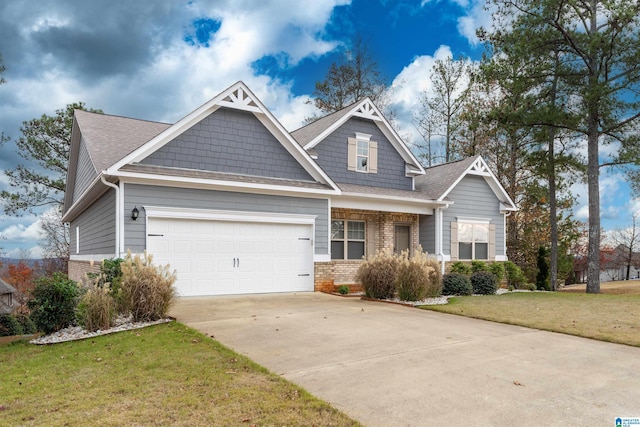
329 206
121 217
118 224
221 215
363 136
91 257
382 204
501 258
322 258
77 240
471 220
153 179
79 199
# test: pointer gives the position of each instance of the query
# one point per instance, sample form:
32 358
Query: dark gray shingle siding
332 157
97 227
85 172
233 142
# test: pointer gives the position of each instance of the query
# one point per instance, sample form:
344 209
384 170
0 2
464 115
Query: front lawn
614 318
167 374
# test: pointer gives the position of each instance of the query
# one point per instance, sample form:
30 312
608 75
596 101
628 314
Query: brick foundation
78 269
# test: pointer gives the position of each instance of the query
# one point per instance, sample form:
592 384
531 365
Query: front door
402 238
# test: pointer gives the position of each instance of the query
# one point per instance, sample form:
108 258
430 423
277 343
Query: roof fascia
479 167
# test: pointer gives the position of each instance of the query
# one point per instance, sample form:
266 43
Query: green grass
164 375
613 318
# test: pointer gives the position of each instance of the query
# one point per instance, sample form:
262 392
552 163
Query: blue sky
160 60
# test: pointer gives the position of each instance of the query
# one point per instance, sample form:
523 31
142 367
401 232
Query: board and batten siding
333 158
137 195
427 233
229 141
97 226
85 172
473 198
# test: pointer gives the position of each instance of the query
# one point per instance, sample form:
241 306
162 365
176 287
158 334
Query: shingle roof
438 179
220 176
305 134
378 191
110 138
6 288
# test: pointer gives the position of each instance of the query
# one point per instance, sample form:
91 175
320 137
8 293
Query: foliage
28 327
478 266
96 309
456 284
110 276
147 289
377 275
497 268
2 69
21 277
54 239
54 302
542 278
514 274
343 289
460 268
484 283
417 277
9 325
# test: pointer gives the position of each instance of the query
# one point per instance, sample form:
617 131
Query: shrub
28 327
54 302
456 284
460 268
97 308
111 276
9 325
147 289
478 266
497 268
484 283
542 278
417 277
343 289
515 276
377 275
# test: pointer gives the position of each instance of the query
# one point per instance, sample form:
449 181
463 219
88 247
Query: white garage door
224 257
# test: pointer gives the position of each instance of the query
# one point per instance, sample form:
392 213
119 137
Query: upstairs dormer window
363 154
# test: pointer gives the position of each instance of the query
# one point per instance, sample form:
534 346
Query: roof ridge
123 117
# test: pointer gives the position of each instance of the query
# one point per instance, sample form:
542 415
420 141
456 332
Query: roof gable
237 97
314 133
438 181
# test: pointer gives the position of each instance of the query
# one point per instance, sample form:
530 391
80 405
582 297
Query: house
7 298
237 204
614 263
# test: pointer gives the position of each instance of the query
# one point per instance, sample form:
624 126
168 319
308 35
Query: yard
161 375
612 316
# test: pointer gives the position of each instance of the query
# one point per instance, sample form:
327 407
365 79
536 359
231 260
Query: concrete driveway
389 365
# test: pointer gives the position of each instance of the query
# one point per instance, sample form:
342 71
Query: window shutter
373 157
351 154
454 241
492 242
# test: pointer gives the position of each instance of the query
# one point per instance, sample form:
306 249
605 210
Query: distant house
614 263
7 298
237 204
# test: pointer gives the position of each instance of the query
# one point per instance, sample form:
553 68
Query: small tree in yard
54 303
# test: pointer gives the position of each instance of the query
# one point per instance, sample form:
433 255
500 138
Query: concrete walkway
389 365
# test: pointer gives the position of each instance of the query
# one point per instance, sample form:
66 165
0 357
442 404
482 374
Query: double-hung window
473 241
347 239
362 156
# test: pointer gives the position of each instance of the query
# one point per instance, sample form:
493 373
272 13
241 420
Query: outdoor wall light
134 213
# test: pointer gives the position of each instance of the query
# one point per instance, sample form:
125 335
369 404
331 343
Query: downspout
117 218
440 237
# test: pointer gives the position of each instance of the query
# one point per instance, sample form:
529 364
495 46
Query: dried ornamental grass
377 275
97 308
417 277
147 289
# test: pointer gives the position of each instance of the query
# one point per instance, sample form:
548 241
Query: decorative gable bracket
239 99
479 167
368 111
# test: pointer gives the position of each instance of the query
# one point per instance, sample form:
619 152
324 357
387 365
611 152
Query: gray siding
97 227
144 195
332 157
473 198
233 142
85 172
427 234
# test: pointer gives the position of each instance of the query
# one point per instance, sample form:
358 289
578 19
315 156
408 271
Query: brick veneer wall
78 269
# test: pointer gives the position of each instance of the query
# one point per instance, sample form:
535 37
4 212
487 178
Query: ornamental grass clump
377 275
97 308
147 289
417 277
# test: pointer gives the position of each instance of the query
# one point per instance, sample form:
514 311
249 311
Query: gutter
117 217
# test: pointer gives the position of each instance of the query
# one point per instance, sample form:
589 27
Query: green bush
484 283
456 284
542 277
478 266
9 325
515 276
343 289
28 327
147 289
460 268
417 277
497 268
111 276
53 303
97 308
377 275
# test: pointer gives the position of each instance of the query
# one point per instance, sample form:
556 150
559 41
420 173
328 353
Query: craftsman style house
237 204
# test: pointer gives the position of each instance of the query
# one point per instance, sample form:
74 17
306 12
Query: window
347 239
362 156
473 241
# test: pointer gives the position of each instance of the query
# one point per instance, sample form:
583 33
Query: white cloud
22 232
479 14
